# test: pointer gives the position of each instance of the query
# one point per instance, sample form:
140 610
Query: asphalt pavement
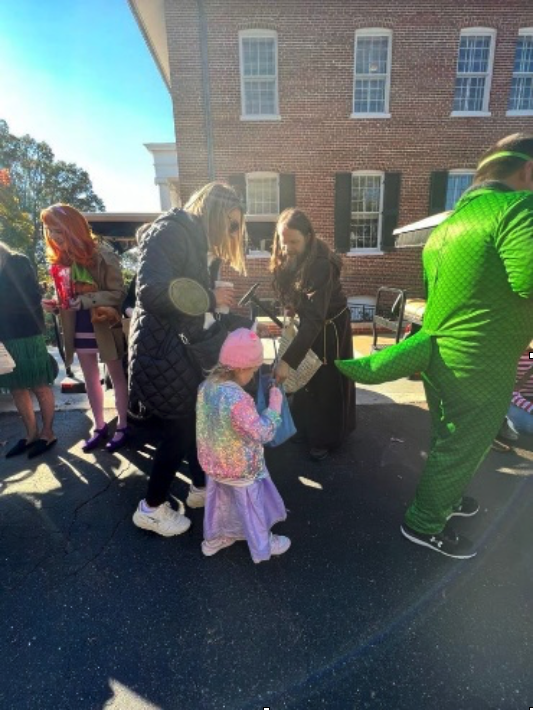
98 614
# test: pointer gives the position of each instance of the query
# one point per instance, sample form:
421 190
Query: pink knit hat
242 349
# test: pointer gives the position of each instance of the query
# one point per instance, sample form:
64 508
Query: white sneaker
162 520
279 544
196 497
211 547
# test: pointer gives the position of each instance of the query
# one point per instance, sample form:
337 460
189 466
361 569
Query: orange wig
78 244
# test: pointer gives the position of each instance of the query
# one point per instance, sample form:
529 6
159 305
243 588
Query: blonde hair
213 203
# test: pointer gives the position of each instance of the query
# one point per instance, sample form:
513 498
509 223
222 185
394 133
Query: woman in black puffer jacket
179 246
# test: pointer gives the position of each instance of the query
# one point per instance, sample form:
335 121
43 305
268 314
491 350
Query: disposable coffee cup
223 284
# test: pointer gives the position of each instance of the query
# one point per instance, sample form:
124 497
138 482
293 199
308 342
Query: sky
78 75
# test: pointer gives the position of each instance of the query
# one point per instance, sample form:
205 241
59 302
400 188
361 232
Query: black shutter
287 192
437 191
343 211
391 208
238 181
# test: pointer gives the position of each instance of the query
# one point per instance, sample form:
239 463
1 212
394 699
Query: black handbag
204 353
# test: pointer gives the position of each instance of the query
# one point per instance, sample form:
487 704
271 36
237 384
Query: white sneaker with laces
196 497
211 547
162 520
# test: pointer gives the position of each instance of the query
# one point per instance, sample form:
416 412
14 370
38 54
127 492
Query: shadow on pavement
99 614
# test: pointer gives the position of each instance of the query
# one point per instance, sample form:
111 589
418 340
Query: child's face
243 376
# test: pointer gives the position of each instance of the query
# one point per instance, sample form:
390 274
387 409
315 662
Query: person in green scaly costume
478 273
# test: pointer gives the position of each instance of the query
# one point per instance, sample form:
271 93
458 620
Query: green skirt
33 365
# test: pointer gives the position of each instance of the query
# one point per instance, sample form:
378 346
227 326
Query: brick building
365 115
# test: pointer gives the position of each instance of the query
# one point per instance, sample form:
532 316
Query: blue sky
78 75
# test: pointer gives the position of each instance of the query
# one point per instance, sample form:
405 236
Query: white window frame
371 251
258 34
249 177
528 32
456 173
373 32
469 32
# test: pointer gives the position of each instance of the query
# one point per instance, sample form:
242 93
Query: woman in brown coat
307 281
90 312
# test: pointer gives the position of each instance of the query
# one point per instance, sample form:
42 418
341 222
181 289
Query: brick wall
316 137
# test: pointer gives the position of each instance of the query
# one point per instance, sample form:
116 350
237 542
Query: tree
38 180
16 228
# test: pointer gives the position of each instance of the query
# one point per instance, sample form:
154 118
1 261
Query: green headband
504 154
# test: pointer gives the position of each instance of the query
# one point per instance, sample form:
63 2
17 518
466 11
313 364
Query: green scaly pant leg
464 424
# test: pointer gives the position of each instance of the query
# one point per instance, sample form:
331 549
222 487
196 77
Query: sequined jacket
230 433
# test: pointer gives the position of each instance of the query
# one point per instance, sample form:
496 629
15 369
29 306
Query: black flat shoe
40 447
20 447
318 454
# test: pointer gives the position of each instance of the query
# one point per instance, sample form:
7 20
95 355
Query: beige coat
111 292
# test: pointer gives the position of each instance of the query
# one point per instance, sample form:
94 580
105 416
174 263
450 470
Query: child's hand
275 399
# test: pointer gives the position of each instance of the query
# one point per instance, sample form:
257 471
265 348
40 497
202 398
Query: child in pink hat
242 502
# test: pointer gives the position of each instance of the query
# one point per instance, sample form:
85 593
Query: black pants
178 443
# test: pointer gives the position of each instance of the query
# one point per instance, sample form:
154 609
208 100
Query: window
366 211
372 61
521 98
474 72
259 74
262 210
458 182
262 195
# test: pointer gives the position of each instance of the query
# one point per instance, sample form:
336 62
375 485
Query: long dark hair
291 275
5 254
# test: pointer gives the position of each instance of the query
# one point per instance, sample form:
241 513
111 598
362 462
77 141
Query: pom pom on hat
241 349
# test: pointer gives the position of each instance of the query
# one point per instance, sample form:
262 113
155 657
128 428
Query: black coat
21 313
161 374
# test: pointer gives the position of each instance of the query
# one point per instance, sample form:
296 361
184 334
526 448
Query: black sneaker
468 507
447 542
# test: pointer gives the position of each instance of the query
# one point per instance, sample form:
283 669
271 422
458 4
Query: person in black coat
22 333
180 247
307 282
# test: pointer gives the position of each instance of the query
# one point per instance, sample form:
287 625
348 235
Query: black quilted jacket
161 375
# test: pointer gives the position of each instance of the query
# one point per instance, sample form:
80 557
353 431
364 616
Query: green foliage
37 181
16 228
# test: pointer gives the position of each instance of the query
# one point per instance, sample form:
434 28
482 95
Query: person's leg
462 434
522 420
120 386
24 405
95 393
177 443
45 397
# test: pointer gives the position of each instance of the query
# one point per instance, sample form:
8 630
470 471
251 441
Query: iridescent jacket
230 433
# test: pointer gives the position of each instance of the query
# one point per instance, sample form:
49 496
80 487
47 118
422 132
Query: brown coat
111 292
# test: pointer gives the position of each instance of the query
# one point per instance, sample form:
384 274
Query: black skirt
324 410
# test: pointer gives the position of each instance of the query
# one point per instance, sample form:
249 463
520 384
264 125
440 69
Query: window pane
260 97
523 61
259 57
371 55
457 184
474 54
469 93
364 232
369 96
366 191
521 98
262 196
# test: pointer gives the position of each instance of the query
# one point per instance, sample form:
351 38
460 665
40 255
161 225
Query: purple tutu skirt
244 513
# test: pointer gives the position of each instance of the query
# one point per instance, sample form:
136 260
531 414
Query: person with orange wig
89 311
